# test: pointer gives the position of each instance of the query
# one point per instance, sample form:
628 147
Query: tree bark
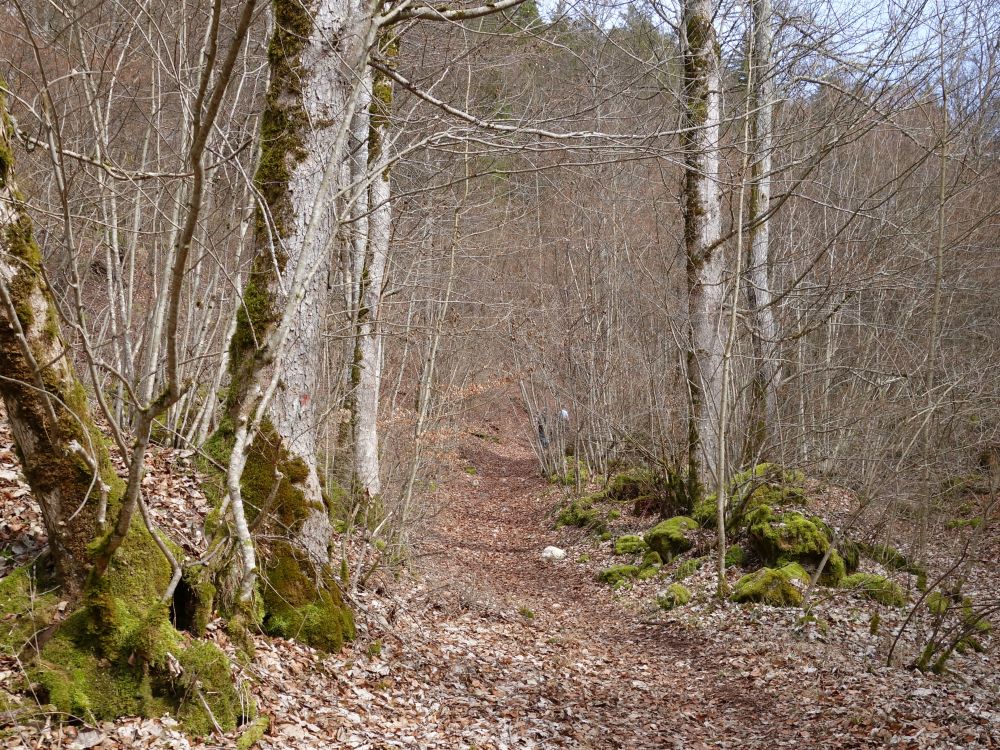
63 453
271 434
702 231
367 371
759 293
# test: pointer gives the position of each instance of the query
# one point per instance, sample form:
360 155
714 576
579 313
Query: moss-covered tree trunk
117 651
64 455
702 232
276 351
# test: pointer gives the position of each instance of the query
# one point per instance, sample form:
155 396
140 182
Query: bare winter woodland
396 374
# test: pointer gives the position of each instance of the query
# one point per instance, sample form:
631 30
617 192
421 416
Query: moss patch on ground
630 544
877 588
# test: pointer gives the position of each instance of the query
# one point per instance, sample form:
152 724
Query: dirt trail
605 677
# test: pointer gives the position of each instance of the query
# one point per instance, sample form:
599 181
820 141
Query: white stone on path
553 553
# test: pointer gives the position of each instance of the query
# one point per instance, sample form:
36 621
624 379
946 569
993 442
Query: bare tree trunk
759 287
702 231
367 369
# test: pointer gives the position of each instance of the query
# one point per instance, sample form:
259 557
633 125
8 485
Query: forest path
587 671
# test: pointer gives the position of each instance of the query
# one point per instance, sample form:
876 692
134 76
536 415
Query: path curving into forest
594 672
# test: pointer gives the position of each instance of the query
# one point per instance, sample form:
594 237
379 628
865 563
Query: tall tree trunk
270 437
367 371
759 293
63 453
116 651
702 231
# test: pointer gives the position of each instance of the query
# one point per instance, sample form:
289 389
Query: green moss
834 570
253 733
651 558
770 586
877 588
630 544
118 654
850 552
648 571
616 575
582 514
198 580
576 471
298 606
790 536
705 512
938 603
669 537
735 556
688 568
28 604
675 595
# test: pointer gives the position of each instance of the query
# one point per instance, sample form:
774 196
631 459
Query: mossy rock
789 536
675 595
834 571
771 586
877 588
630 544
850 552
582 514
669 537
616 575
648 491
763 485
735 556
688 568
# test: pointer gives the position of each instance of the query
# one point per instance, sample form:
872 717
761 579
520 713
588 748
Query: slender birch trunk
759 293
702 231
367 370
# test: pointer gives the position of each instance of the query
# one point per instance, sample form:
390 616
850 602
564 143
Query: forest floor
487 645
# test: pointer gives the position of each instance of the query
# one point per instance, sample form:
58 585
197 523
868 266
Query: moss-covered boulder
651 558
630 544
675 595
772 586
834 570
762 485
877 588
786 537
648 491
850 552
670 537
617 575
582 514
